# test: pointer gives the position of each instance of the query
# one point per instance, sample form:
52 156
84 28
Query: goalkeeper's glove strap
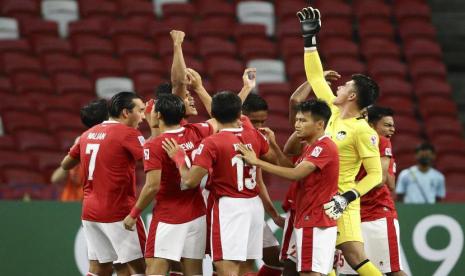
350 195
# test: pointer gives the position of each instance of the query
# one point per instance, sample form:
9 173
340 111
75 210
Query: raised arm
195 81
249 78
178 67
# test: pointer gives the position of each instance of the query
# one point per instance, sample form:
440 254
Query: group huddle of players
205 179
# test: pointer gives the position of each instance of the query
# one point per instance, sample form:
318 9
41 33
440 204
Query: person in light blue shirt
421 183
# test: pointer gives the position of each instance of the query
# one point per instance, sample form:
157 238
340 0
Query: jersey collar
178 130
239 129
110 122
323 137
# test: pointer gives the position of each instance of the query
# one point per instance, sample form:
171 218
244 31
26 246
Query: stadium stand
54 55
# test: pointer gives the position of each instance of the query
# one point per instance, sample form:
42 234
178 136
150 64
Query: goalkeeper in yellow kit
357 143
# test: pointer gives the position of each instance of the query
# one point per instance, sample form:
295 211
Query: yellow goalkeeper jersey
354 138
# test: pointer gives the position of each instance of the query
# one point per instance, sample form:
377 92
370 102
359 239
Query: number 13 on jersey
250 180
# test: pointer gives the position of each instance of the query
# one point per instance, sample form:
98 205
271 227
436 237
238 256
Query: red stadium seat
98 9
336 27
410 29
92 27
295 67
427 86
276 103
62 120
21 176
287 9
407 124
174 10
450 163
16 63
455 181
279 122
129 45
16 159
401 105
376 28
437 106
20 46
59 103
427 67
35 26
59 63
84 45
418 48
5 86
16 102
213 46
411 9
145 84
217 65
7 142
372 9
66 139
165 47
346 66
34 140
137 9
51 45
191 62
291 47
48 161
141 64
449 144
212 27
217 9
230 82
380 48
73 84
27 83
158 29
334 8
404 161
135 28
246 31
386 67
99 66
288 28
398 87
282 89
257 49
339 47
20 8
440 125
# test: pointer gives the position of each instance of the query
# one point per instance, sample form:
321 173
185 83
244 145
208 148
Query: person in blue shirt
421 183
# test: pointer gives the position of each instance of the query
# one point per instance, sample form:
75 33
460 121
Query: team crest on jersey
373 140
388 152
141 140
341 135
146 154
316 151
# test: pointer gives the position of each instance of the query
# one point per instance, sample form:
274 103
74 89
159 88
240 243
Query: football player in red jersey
237 215
316 171
107 154
380 227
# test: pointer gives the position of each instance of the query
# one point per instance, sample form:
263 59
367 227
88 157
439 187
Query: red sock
269 271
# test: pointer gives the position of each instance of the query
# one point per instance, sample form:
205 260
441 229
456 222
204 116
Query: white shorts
288 249
381 243
237 229
315 248
176 241
111 242
269 240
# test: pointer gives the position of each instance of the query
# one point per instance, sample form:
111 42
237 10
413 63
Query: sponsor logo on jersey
341 135
316 151
141 140
373 140
388 152
146 154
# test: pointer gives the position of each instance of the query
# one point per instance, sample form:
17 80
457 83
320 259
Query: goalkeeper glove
338 204
311 24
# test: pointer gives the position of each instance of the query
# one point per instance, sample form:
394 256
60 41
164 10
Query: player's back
230 175
108 154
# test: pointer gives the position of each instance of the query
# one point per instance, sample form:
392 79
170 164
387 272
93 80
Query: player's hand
249 78
248 154
335 207
177 37
129 223
269 134
331 75
311 24
194 79
171 147
279 220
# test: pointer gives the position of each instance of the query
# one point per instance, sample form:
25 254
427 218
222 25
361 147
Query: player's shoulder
327 143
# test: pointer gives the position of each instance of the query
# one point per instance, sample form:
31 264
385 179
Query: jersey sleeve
133 142
320 156
204 129
246 123
385 148
205 155
153 155
366 143
75 150
264 145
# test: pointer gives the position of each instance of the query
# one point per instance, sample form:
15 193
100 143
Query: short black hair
254 103
94 113
121 101
319 109
425 146
171 108
376 113
164 88
226 107
367 90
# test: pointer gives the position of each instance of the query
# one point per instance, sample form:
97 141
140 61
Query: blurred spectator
421 183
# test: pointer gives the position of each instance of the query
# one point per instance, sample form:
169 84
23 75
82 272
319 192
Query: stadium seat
278 122
450 163
372 48
407 124
20 8
165 47
127 28
427 86
37 27
16 63
213 46
216 9
66 83
87 44
145 84
109 86
98 66
60 63
132 46
7 142
178 10
282 89
275 103
98 9
48 161
212 27
372 9
336 47
440 125
419 48
15 102
62 12
427 67
455 181
336 27
287 10
401 105
446 144
334 8
247 31
404 161
291 47
9 28
229 82
346 66
5 86
21 176
16 159
87 27
51 45
258 12
217 65
66 139
412 9
288 28
192 62
411 29
376 28
34 140
387 67
141 64
61 103
20 46
257 49
437 106
62 120
137 9
295 67
268 70
397 87
28 83
158 4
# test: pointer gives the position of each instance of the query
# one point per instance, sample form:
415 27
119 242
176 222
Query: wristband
179 158
135 212
350 196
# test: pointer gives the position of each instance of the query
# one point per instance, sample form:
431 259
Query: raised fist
311 25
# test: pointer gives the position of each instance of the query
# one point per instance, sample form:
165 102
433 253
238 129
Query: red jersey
229 174
174 205
320 186
289 200
108 153
378 202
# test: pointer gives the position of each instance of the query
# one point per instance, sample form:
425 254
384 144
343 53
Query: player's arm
374 175
385 161
295 173
148 193
178 67
279 156
293 145
59 175
195 81
249 78
69 162
391 182
267 203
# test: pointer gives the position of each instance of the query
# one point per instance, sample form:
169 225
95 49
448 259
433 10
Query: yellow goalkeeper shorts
349 224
